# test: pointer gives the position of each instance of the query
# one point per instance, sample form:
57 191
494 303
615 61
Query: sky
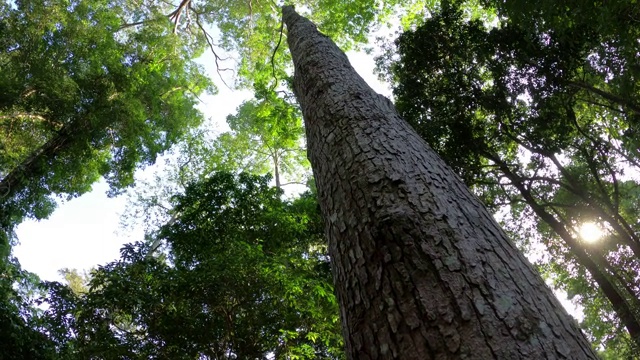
85 232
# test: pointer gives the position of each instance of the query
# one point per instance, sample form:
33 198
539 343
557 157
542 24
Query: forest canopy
536 108
538 117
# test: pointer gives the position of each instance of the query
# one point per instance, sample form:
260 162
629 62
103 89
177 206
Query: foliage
75 280
83 98
609 28
245 273
253 30
266 135
19 317
536 119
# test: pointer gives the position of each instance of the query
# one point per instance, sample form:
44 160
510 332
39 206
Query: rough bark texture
422 270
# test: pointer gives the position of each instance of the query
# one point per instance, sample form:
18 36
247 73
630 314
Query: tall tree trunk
422 270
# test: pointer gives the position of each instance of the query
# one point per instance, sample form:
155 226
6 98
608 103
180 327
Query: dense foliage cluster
538 113
242 274
82 97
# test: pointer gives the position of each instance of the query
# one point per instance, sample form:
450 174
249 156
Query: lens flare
590 232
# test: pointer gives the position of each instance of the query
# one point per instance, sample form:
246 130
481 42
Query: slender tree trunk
422 270
276 165
623 302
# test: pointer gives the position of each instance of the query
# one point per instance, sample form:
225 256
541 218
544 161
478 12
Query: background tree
266 136
84 97
521 113
245 275
77 281
610 30
20 319
270 131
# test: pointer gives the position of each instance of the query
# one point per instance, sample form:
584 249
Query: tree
76 281
244 275
421 268
266 136
269 131
20 318
609 29
512 121
83 97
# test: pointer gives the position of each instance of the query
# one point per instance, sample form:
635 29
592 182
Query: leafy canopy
244 275
535 119
82 97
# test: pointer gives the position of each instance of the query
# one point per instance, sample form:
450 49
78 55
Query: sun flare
590 232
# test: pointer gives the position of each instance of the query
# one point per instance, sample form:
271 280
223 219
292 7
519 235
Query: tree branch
30 116
273 64
209 40
606 95
594 263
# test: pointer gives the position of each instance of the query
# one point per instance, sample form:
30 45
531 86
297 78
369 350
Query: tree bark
422 270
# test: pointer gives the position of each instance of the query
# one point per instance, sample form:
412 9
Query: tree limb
209 39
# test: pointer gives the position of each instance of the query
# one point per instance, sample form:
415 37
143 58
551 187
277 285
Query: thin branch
285 94
554 204
250 16
26 115
209 39
30 91
268 154
599 104
128 25
572 116
547 179
174 16
177 88
606 95
292 150
293 183
273 64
